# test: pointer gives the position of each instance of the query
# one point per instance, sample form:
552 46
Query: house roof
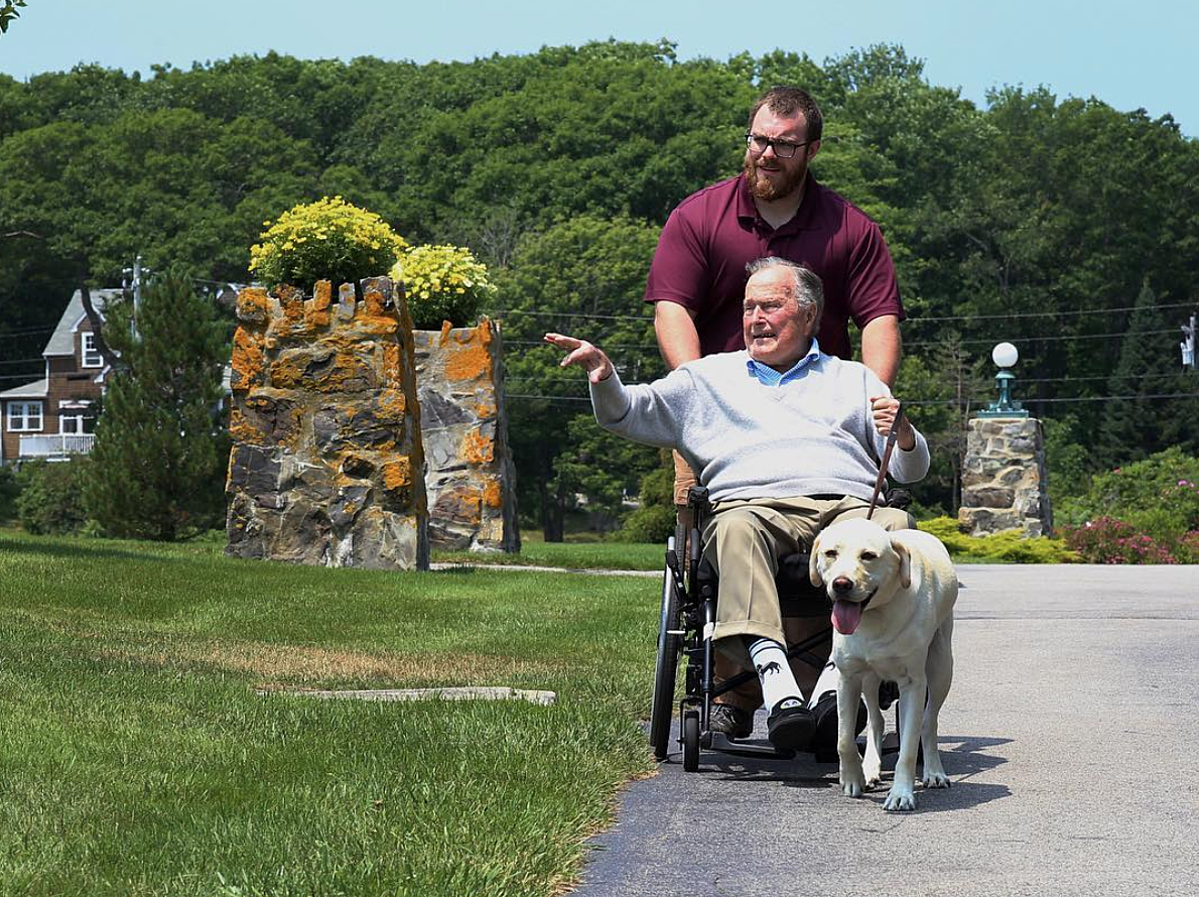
62 341
38 389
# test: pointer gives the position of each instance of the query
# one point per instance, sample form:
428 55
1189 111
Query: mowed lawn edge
140 758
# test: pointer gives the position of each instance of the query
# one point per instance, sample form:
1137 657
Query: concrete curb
462 693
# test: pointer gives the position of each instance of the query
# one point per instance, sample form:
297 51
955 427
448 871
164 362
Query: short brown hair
789 101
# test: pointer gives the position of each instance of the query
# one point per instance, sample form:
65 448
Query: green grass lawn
137 758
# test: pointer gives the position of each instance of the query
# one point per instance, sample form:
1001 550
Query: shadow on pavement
964 760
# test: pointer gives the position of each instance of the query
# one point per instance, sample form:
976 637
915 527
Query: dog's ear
813 573
905 563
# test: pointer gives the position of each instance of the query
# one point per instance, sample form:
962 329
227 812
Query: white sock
774 672
826 683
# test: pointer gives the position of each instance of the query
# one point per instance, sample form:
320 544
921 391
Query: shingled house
55 417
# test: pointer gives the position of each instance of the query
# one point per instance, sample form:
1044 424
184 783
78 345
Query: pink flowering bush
1146 512
1188 548
1111 541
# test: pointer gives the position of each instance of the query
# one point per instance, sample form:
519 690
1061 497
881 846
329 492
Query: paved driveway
1071 737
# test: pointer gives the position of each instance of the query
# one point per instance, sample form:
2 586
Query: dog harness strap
882 468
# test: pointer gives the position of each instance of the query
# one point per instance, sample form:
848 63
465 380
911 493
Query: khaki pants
743 541
684 479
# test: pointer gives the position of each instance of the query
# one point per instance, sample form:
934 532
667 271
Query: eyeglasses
784 149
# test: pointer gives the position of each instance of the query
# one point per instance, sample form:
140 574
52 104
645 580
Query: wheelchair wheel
666 668
690 740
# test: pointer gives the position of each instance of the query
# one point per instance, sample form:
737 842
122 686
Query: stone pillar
326 461
470 480
1004 483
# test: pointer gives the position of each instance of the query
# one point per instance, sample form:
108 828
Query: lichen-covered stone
325 428
470 479
252 305
247 366
1004 478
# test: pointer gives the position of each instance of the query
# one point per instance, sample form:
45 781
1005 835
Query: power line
1154 396
1040 314
924 343
914 319
647 319
1162 395
517 395
1047 339
38 360
1098 377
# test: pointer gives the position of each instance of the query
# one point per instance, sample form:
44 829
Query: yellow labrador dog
893 596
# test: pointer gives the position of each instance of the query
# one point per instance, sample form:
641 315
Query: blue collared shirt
768 376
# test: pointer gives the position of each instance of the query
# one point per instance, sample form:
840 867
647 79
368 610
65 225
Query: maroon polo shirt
713 234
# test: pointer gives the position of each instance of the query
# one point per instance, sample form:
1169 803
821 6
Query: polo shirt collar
804 215
768 376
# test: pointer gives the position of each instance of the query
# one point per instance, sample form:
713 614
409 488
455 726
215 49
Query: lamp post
1005 356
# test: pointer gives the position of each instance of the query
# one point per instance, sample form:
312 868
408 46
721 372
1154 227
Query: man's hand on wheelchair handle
884 409
584 354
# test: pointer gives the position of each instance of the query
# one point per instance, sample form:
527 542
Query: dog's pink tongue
846 616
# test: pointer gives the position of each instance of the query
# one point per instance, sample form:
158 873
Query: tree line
1062 225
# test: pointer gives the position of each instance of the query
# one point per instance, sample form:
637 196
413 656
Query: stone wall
1004 484
470 478
327 456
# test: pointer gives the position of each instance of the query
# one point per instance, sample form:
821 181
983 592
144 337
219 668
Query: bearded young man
773 208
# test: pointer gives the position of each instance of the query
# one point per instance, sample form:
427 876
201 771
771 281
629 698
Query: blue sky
1130 55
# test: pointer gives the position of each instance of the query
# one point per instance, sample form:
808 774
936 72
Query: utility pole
137 272
1188 344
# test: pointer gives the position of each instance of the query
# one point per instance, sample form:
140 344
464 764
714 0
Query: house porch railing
59 445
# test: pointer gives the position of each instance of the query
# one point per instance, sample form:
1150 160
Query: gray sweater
811 436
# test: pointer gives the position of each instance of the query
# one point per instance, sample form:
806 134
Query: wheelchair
689 593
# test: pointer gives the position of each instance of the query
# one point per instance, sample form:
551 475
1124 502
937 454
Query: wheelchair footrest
722 743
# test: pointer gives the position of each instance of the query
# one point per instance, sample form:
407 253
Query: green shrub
325 240
654 521
649 523
10 488
1144 513
51 499
1008 547
1166 482
443 283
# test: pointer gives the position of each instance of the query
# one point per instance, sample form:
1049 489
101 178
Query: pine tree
1136 427
158 470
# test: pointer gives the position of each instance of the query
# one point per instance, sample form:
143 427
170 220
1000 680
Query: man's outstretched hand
582 353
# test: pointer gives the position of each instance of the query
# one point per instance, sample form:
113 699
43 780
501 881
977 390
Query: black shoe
824 741
790 728
730 721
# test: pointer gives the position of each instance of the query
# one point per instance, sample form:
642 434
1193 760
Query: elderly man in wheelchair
786 440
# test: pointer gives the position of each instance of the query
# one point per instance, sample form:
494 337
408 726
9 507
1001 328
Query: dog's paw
853 784
873 773
935 779
900 798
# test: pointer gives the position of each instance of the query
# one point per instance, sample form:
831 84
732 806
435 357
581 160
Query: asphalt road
1071 737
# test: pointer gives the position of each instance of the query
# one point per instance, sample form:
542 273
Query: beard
765 189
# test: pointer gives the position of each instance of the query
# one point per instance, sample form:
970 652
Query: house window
24 417
91 355
75 417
